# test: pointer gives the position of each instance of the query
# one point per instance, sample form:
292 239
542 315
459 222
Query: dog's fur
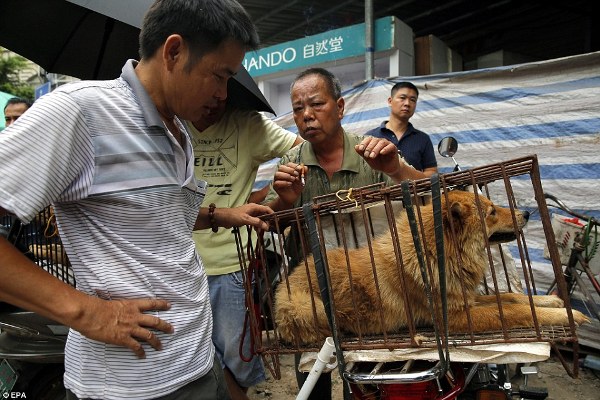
359 308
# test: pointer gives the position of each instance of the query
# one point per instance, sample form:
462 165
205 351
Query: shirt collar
153 118
410 129
149 110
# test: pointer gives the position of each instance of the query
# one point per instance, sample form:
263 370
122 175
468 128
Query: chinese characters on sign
334 45
289 55
323 47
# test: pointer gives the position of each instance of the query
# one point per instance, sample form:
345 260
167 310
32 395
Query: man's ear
390 101
172 51
341 103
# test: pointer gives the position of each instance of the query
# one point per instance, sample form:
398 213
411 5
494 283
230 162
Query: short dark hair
17 100
204 25
401 85
333 83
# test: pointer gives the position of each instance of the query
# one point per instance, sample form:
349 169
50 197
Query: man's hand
119 322
380 154
288 183
123 322
243 215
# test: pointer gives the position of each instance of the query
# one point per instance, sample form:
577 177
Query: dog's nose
525 215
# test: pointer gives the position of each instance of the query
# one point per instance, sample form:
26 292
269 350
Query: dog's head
465 209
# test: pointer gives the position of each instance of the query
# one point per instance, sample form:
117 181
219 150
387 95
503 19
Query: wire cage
344 265
40 241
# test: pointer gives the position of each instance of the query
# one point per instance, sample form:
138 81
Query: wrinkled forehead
310 86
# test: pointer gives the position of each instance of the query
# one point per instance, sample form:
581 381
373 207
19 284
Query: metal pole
369 43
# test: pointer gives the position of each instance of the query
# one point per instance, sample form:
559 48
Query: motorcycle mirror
448 146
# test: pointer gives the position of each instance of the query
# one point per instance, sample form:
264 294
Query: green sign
333 45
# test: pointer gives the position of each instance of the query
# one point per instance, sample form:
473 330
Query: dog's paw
580 318
419 339
560 316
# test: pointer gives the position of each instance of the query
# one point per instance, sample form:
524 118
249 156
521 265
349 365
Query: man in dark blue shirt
414 145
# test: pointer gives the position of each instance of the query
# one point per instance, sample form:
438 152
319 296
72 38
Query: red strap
253 269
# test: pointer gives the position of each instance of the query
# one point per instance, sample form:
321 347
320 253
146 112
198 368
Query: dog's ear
456 211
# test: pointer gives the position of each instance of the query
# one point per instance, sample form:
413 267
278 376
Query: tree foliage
9 77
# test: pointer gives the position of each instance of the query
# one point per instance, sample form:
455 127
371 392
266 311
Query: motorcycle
32 346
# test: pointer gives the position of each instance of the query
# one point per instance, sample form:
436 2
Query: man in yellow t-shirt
229 145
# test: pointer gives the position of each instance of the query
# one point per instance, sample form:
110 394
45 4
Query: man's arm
287 183
119 322
382 155
275 140
259 196
429 171
279 183
297 141
246 214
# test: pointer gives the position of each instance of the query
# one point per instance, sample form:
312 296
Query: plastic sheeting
505 353
549 108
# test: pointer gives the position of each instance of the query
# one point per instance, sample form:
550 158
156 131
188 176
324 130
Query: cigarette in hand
302 181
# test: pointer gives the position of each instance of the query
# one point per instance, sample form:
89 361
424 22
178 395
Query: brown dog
358 303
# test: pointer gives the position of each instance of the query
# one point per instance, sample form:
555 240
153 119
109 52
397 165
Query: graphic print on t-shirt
217 159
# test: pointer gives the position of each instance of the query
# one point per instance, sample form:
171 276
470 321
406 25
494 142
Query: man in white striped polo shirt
115 161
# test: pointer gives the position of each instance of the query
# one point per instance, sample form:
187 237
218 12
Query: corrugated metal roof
538 30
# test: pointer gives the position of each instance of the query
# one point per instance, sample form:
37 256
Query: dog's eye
492 211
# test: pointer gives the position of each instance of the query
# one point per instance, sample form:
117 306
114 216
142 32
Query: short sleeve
274 140
272 195
44 155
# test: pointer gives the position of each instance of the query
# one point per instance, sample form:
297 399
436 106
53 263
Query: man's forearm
26 285
223 217
406 171
202 221
278 205
206 221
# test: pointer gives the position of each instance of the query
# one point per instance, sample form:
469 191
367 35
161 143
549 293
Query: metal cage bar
343 224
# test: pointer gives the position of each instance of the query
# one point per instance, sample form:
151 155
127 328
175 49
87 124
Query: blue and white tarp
549 108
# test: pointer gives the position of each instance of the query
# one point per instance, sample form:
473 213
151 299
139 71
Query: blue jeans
229 311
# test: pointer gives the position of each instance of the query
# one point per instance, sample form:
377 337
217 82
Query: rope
253 270
50 230
348 196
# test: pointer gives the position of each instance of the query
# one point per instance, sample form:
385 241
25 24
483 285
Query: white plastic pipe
323 359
